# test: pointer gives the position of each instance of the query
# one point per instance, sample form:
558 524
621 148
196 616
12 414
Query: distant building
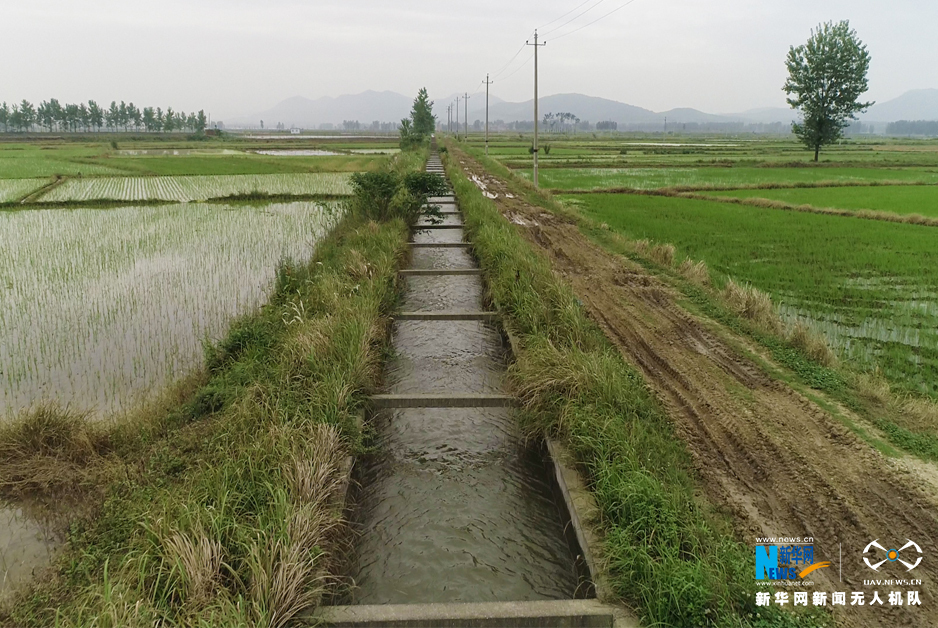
294 131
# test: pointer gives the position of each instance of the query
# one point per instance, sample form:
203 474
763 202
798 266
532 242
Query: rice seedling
867 286
901 200
101 306
703 177
198 188
15 189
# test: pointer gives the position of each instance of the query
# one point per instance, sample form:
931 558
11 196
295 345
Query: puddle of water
26 546
312 152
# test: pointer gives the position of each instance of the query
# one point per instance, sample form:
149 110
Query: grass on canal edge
668 555
222 504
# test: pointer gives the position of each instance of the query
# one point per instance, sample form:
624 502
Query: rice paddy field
14 189
101 306
196 188
565 179
870 286
912 199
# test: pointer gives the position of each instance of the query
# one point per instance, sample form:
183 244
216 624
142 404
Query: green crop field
870 286
14 189
197 188
899 199
654 178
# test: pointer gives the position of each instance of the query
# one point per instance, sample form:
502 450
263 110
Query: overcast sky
237 57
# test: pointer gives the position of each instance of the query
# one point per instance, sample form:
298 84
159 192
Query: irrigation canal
453 506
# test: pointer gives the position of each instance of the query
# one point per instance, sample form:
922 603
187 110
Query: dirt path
783 466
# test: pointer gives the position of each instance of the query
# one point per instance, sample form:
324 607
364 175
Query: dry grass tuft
663 254
291 571
48 449
641 247
357 267
752 304
920 414
873 387
198 560
812 343
696 272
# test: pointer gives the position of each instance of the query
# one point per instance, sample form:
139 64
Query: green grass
869 286
663 177
670 557
898 199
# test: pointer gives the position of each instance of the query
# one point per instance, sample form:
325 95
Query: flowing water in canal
454 506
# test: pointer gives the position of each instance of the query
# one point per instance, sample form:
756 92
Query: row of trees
54 116
913 127
551 120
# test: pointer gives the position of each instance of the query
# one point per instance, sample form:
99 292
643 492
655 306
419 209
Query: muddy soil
781 465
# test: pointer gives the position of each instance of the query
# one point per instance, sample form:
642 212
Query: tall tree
422 118
27 114
200 121
5 116
95 115
826 76
169 120
113 116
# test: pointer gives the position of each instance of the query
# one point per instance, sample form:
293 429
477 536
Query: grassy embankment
747 250
221 504
668 555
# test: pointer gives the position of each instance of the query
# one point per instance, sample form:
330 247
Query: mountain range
390 106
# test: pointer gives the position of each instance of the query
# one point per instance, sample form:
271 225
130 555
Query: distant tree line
913 127
607 125
551 120
53 116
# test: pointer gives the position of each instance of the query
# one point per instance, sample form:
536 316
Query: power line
576 17
504 67
520 67
565 14
594 21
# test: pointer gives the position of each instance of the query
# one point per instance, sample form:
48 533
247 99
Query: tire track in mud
783 466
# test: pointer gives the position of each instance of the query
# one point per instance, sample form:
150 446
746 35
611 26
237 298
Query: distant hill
387 106
918 104
303 112
765 115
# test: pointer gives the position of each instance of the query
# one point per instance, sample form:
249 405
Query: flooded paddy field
101 306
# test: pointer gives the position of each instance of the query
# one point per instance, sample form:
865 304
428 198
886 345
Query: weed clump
752 304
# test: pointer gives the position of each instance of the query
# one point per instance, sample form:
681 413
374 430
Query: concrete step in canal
459 518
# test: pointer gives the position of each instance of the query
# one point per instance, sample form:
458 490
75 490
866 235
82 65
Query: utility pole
536 45
465 103
487 83
449 118
666 125
457 118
